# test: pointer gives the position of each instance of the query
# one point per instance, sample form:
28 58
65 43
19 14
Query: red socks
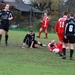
39 34
46 34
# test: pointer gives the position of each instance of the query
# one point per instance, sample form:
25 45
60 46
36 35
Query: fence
68 5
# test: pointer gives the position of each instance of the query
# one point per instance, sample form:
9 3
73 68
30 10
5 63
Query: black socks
64 51
41 44
71 52
6 39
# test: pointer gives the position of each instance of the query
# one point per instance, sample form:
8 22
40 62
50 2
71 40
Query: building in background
9 0
20 1
24 14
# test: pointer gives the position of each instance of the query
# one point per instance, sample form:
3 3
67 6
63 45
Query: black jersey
4 22
29 38
70 27
5 14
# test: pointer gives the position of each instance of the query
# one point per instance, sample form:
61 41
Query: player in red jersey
53 45
56 47
60 26
44 26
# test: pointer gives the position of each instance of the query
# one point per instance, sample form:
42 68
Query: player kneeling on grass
55 47
29 40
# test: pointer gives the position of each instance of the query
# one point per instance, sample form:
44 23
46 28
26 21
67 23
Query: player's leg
46 33
59 45
6 28
40 31
41 44
61 37
6 38
65 41
61 51
64 51
72 41
37 44
1 32
71 50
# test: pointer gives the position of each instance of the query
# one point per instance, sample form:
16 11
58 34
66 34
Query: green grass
17 61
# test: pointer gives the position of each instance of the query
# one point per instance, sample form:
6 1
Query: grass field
17 61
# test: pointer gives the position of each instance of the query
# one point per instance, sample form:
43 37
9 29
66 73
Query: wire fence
67 5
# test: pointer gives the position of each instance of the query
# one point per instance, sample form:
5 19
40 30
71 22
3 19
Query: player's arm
65 29
10 16
56 27
24 41
23 45
33 38
46 20
32 44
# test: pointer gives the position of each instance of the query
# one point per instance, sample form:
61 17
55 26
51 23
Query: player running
44 26
5 17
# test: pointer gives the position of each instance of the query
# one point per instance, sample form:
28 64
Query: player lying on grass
29 40
55 47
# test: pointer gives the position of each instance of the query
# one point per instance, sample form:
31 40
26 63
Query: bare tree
46 5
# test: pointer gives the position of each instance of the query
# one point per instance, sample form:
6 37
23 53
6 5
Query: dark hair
71 14
30 30
65 13
52 45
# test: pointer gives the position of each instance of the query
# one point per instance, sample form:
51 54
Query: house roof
24 7
1 0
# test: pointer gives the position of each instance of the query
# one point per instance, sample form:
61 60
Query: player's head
71 14
7 6
31 32
65 13
52 43
45 14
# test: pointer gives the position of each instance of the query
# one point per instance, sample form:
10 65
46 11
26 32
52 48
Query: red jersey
57 45
45 22
60 25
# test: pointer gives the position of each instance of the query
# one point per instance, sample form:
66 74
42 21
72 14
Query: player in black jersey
69 35
5 17
29 39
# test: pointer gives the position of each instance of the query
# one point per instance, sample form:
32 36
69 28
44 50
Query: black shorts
29 43
4 25
70 39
